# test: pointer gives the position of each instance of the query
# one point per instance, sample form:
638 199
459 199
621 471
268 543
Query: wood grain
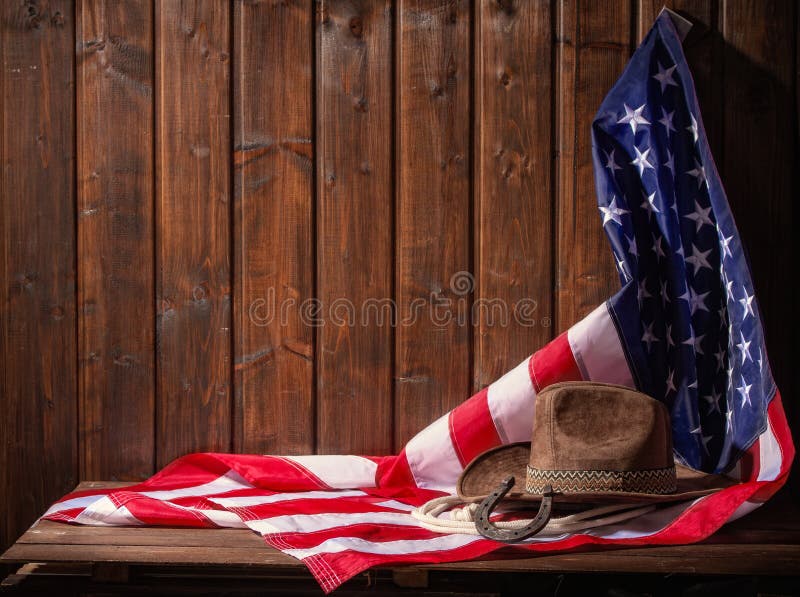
354 227
759 167
116 343
594 43
193 158
38 383
434 246
513 175
274 237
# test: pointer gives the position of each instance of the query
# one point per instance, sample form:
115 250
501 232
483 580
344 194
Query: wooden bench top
766 542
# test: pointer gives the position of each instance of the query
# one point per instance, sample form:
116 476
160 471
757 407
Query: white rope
462 520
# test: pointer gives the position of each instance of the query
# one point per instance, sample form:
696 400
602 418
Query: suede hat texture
592 443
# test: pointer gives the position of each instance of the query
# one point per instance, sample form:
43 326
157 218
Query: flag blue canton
687 313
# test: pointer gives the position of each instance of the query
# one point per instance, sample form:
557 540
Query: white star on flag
632 246
640 161
611 164
643 292
744 348
699 172
658 248
697 301
713 401
693 128
725 242
747 303
649 337
612 212
650 203
670 383
699 259
633 117
666 120
699 216
664 76
697 343
744 391
670 163
720 354
704 438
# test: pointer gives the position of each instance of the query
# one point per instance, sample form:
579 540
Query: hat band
655 481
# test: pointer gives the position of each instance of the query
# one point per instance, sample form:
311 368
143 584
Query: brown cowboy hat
592 443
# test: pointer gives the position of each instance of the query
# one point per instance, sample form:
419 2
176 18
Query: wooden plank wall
198 197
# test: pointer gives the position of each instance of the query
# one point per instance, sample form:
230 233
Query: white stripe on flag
339 472
222 518
309 523
257 500
230 481
80 502
597 348
645 525
432 458
511 402
402 547
769 455
394 504
744 509
104 512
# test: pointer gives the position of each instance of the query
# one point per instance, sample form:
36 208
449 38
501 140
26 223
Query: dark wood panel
115 238
514 202
273 157
193 159
354 226
760 166
594 42
38 384
434 246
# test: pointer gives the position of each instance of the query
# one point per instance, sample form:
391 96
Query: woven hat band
654 481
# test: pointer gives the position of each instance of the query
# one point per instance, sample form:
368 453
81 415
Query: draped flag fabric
685 328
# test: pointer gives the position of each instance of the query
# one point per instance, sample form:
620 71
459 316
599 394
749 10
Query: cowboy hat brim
482 476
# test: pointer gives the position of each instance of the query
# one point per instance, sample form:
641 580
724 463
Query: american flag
685 328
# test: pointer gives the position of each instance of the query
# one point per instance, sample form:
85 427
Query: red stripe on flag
749 462
394 471
472 428
553 363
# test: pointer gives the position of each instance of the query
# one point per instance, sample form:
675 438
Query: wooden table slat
766 542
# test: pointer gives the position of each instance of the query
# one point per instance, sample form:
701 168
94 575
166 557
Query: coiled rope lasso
462 519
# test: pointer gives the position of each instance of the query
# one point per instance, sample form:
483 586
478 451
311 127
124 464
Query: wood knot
356 27
360 104
33 19
505 79
507 6
452 15
200 293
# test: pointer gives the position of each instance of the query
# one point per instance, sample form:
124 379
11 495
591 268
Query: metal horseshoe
490 531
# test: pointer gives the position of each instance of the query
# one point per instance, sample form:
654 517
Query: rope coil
462 519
